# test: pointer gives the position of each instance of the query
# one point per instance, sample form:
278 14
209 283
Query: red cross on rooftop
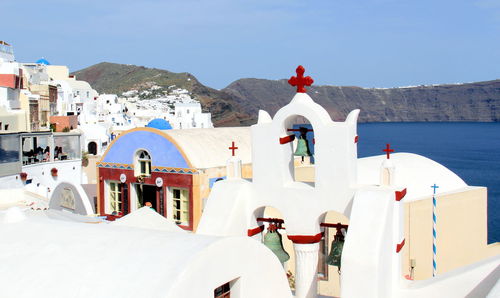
388 150
233 148
300 81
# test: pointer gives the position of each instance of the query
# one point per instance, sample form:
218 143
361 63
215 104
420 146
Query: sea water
470 150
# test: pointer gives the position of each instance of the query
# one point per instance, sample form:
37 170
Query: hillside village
39 96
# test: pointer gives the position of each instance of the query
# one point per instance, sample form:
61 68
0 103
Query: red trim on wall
162 194
287 139
9 81
356 139
255 231
157 199
305 239
400 246
400 195
169 180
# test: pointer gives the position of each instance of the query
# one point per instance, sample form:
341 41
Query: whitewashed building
43 162
189 115
72 94
373 194
12 118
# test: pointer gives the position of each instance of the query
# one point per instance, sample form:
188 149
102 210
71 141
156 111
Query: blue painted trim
155 169
211 181
163 153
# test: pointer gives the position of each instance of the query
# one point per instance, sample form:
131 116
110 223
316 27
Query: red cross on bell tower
233 148
300 81
388 150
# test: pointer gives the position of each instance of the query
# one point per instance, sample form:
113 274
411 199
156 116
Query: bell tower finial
388 169
388 150
300 81
233 166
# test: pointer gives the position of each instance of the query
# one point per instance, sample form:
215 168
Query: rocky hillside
115 78
238 103
461 102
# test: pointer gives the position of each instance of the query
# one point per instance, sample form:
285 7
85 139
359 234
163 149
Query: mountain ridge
447 102
239 102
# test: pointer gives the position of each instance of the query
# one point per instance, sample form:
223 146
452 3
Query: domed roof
160 124
43 61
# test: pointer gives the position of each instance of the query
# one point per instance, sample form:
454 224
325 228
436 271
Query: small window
180 200
143 164
223 291
115 202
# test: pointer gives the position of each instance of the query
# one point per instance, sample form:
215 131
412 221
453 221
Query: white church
147 256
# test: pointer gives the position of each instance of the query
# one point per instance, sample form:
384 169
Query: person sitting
61 155
148 204
31 156
46 154
56 153
39 154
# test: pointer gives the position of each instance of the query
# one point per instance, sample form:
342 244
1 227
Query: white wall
69 170
189 115
12 181
255 270
9 98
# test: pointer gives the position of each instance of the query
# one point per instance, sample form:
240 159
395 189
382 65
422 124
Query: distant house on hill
173 170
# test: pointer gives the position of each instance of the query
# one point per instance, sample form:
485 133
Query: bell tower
235 205
335 153
301 203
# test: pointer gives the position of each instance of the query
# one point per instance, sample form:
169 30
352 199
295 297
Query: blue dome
160 124
43 61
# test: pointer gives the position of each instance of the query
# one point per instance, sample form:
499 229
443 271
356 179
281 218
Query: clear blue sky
368 43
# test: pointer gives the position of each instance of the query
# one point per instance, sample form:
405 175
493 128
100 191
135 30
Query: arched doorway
92 148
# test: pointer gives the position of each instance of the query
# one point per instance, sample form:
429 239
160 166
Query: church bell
335 256
302 144
273 241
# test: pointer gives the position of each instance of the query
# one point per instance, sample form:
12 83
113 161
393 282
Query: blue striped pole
434 265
